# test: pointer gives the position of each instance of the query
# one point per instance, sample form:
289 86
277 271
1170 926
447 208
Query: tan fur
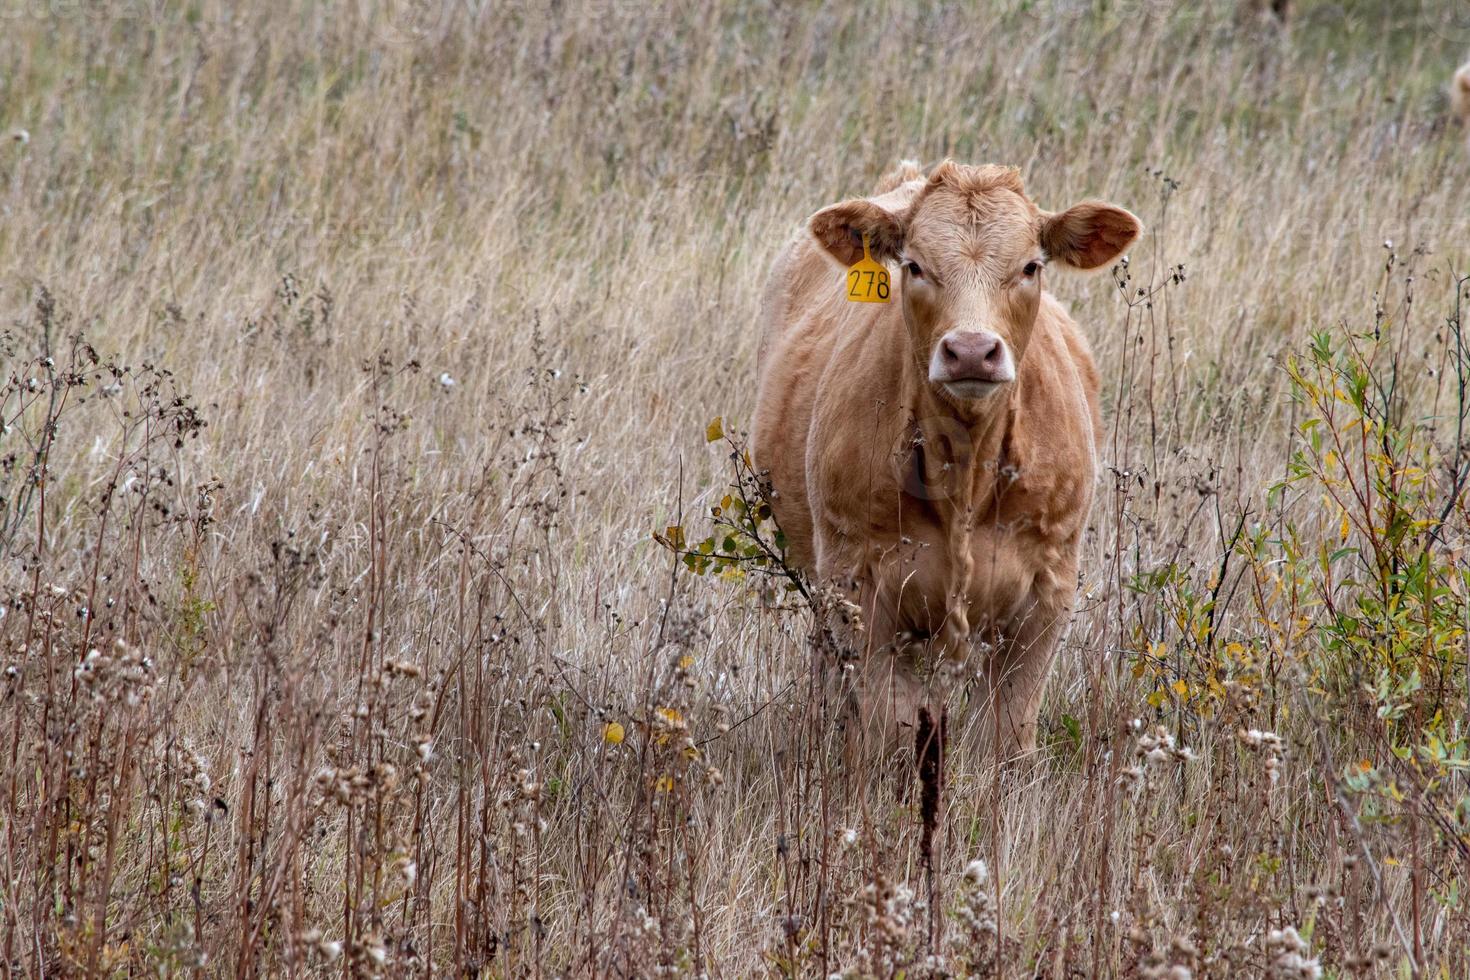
955 523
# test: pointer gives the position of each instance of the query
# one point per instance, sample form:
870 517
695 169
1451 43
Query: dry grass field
353 355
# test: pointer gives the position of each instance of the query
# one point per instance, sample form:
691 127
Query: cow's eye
1032 268
914 270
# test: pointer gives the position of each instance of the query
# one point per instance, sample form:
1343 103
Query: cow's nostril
992 356
948 352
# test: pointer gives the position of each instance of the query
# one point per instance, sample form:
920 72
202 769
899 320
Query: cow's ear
1088 235
840 230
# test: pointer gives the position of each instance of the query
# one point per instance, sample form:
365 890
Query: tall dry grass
355 351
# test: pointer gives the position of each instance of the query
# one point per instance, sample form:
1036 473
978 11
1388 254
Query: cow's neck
963 456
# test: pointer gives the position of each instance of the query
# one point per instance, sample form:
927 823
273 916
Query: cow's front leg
871 676
1012 679
899 674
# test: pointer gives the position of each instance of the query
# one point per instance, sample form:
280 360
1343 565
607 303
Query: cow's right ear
840 229
1089 235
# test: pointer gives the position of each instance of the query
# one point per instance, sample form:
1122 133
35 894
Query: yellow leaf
664 784
613 733
1181 688
715 431
685 662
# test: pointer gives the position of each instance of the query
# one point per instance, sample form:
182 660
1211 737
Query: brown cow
936 455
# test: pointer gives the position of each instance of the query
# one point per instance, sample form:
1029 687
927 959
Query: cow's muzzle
971 363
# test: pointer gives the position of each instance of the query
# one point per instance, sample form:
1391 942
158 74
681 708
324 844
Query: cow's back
798 335
804 317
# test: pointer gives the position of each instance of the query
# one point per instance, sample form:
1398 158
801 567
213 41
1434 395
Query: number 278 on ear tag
867 280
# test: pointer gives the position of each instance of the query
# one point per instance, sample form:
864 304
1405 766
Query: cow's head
971 248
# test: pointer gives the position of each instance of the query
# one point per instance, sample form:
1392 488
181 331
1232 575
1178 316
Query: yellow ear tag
867 280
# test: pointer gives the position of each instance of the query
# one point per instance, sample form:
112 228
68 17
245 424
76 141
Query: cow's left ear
1089 235
840 229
